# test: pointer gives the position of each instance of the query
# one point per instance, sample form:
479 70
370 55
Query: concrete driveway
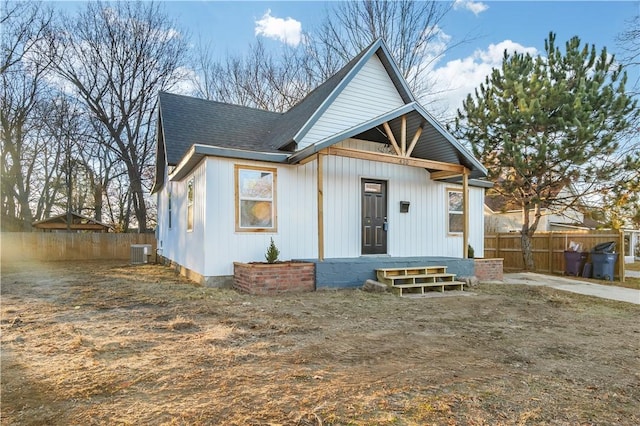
560 283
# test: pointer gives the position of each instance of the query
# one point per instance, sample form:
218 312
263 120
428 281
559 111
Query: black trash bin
603 265
608 247
574 262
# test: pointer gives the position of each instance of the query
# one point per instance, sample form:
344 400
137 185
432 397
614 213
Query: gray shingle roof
187 121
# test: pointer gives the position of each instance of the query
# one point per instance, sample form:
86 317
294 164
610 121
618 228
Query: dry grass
181 323
629 282
114 344
635 266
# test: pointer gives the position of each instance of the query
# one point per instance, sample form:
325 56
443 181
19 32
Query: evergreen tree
546 122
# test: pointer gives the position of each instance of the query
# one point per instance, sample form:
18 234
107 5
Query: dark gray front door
374 216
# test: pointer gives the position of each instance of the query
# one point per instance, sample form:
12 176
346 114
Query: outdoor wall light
404 206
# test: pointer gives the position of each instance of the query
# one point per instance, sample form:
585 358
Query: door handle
385 225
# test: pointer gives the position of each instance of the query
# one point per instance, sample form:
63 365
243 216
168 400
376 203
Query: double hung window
190 205
456 211
255 199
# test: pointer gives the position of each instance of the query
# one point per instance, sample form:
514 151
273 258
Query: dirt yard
97 343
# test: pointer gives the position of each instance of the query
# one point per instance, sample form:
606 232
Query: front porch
354 271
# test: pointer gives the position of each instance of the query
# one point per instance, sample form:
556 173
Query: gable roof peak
295 123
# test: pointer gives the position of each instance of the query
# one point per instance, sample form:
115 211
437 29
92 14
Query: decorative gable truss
411 137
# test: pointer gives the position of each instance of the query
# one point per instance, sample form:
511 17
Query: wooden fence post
550 247
621 256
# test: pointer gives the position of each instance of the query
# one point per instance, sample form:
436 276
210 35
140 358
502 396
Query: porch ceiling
431 145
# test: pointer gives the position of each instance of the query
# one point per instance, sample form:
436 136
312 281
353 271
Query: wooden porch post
320 208
403 136
465 215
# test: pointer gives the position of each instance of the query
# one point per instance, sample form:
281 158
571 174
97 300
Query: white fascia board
197 152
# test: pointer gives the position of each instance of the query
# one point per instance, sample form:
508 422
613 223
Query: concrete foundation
352 272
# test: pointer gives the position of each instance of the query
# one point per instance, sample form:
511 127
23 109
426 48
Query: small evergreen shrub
272 253
470 252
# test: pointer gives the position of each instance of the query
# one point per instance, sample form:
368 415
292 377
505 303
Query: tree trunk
526 235
137 199
97 201
527 252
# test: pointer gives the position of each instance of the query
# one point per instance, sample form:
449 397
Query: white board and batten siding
369 94
177 243
297 223
420 232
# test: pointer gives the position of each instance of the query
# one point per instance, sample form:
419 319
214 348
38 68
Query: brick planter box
488 269
274 278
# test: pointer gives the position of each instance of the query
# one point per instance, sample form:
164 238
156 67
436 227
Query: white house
357 175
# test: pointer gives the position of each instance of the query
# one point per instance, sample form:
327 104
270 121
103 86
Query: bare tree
629 43
258 79
23 27
103 167
117 57
411 29
66 135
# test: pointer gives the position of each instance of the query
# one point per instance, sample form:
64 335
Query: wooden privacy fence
549 247
24 246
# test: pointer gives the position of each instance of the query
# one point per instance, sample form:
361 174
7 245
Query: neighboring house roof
499 203
573 226
591 223
190 128
78 223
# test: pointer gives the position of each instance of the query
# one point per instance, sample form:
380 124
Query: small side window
169 210
456 211
190 205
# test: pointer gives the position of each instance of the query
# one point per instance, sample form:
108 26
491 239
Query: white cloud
476 7
186 85
459 77
431 51
438 43
288 30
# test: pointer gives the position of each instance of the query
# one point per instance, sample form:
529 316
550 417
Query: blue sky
229 27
